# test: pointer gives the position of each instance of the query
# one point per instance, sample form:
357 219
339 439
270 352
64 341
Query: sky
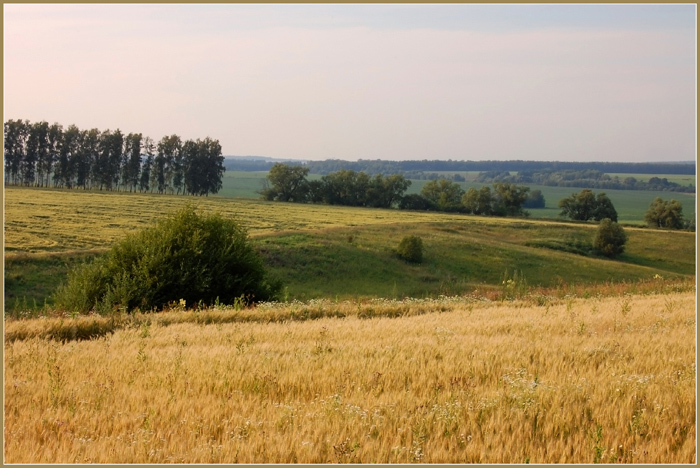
534 82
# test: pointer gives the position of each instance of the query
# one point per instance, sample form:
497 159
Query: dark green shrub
411 249
198 258
610 238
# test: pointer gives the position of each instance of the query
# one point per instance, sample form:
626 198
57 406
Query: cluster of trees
345 187
590 178
504 199
586 206
43 155
289 183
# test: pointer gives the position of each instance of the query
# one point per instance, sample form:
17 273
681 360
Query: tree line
346 187
586 178
48 155
289 183
423 169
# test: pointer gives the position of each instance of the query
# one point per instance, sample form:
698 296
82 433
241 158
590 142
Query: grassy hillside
335 252
463 256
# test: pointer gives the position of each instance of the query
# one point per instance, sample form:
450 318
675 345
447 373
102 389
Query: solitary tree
665 214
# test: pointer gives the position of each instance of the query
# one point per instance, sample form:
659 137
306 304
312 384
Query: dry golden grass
596 380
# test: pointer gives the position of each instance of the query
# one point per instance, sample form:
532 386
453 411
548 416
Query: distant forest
373 167
590 178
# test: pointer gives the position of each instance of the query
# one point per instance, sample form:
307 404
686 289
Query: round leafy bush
610 238
411 249
184 256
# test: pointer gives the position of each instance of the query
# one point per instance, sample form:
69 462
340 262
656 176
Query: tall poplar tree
55 140
39 142
132 158
147 166
16 133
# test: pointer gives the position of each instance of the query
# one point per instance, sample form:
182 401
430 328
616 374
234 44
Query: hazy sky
463 82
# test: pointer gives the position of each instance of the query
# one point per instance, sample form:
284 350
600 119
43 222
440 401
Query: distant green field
239 184
630 204
684 180
469 176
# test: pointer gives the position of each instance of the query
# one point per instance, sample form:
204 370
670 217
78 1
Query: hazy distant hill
254 158
254 163
377 166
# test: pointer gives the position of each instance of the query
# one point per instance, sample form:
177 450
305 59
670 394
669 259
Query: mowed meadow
506 345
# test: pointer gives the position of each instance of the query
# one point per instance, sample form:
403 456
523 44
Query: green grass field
332 251
680 179
240 184
461 257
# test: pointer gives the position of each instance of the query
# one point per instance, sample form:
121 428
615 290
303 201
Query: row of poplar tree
44 155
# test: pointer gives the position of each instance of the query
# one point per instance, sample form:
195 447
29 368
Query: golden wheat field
605 379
